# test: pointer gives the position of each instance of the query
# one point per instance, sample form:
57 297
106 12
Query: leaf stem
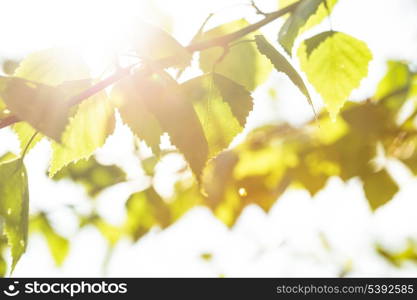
27 145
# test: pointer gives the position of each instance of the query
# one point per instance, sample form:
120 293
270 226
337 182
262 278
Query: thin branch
7 121
226 39
221 41
98 87
257 9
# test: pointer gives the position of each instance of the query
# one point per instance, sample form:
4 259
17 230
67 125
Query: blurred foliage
52 94
94 176
9 66
57 244
398 258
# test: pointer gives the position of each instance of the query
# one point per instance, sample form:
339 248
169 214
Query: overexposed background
301 236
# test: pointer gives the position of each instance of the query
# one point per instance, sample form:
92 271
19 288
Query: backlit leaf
336 67
3 263
222 107
281 64
153 43
128 98
87 130
58 245
44 107
399 257
144 210
394 86
306 15
49 67
94 176
238 98
242 62
14 206
379 188
176 116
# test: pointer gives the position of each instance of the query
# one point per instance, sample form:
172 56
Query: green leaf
242 62
25 133
234 94
94 176
7 156
49 67
379 188
186 196
14 206
394 86
87 130
217 177
110 232
53 66
3 263
129 100
222 107
57 244
145 210
413 87
153 43
336 67
399 257
44 107
313 42
282 65
306 15
176 116
247 175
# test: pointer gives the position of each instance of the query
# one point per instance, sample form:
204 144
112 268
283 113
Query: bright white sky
284 243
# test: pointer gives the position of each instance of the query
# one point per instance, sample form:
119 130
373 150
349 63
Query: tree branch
221 41
7 121
226 39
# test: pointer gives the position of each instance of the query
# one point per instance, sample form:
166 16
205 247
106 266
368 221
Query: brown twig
7 121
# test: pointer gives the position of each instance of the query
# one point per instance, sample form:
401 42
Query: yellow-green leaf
242 62
234 94
87 130
25 133
127 97
14 206
50 67
144 210
281 64
45 108
222 107
58 245
176 116
395 85
306 15
335 67
153 43
93 175
379 188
